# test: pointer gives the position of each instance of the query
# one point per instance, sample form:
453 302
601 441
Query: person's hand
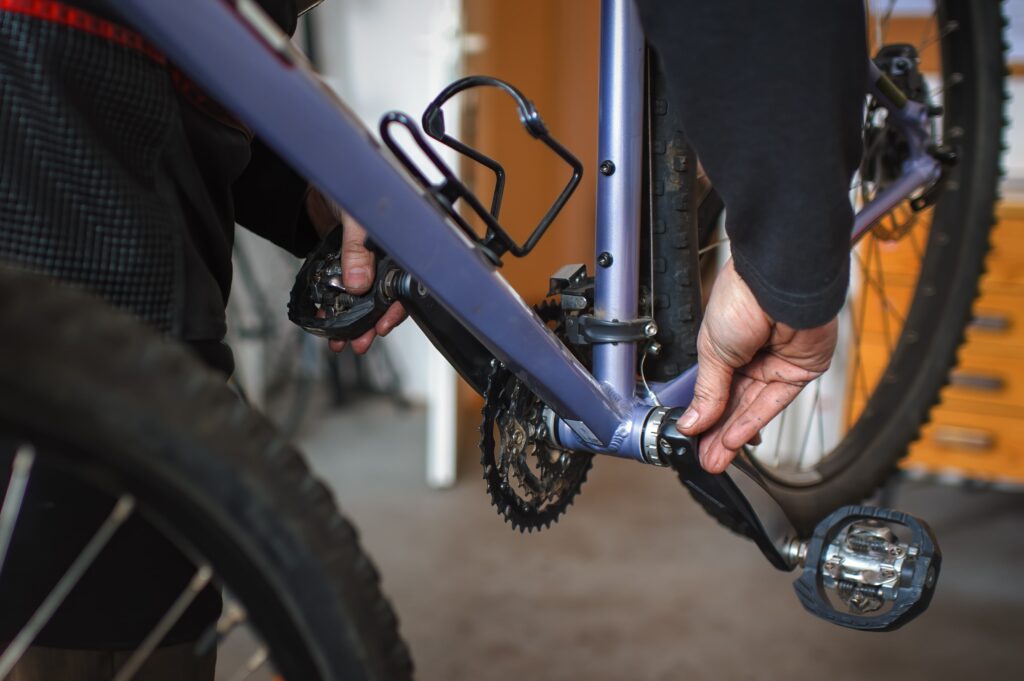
358 265
750 368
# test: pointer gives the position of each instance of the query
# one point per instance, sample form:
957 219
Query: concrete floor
636 583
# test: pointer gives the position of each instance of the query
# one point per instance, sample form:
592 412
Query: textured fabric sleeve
270 200
771 95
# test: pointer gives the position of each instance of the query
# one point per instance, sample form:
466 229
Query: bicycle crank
867 568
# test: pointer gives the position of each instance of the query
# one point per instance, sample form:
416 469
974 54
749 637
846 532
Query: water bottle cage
496 241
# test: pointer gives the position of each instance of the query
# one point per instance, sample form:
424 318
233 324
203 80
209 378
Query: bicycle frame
240 57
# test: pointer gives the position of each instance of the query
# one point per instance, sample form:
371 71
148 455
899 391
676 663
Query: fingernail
385 329
358 276
688 418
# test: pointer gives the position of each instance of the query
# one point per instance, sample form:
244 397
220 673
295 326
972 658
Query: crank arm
737 496
461 348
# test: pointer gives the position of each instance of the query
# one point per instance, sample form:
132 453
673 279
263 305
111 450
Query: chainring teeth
527 498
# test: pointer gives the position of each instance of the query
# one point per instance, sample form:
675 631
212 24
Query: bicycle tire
209 471
669 237
948 283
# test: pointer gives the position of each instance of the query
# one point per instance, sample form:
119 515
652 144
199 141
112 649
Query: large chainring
530 480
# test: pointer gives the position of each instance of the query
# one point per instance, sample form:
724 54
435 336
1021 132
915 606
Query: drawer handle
980 382
965 438
994 323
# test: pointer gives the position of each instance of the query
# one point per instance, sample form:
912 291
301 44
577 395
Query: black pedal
869 568
321 305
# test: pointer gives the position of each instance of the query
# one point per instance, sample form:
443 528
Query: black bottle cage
496 241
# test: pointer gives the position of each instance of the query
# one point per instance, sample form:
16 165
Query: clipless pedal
867 568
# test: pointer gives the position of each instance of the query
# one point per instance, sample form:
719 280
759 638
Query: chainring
531 481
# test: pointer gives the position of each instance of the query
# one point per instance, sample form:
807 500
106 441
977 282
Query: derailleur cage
496 240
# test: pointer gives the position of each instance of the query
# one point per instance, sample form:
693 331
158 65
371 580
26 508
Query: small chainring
530 480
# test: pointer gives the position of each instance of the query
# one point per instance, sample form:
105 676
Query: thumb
710 395
357 261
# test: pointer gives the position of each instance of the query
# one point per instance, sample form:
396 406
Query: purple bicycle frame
235 53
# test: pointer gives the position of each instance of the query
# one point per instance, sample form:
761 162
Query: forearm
771 96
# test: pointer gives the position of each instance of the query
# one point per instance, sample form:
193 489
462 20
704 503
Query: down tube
292 112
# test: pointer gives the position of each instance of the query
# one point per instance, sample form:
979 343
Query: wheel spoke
856 327
713 245
251 666
159 631
950 27
884 299
887 304
778 440
882 24
121 512
21 469
810 423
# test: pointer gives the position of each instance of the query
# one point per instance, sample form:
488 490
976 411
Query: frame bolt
605 259
654 348
607 167
650 329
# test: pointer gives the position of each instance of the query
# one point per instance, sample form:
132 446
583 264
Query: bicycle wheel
914 279
212 475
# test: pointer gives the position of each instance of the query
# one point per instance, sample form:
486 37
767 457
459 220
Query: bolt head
604 259
607 168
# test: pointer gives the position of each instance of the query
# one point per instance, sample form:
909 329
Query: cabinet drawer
1005 263
997 324
984 379
901 259
983 447
981 382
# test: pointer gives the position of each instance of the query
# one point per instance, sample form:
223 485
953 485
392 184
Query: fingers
710 395
362 344
393 317
746 423
357 261
336 345
714 455
754 404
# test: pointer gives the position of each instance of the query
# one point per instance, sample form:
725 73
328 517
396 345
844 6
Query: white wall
382 55
392 54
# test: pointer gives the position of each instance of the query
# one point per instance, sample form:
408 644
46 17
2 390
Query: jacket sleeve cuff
799 310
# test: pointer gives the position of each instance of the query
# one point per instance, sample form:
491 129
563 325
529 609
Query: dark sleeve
270 200
771 95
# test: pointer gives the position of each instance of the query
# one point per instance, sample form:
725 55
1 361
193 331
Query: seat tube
620 155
